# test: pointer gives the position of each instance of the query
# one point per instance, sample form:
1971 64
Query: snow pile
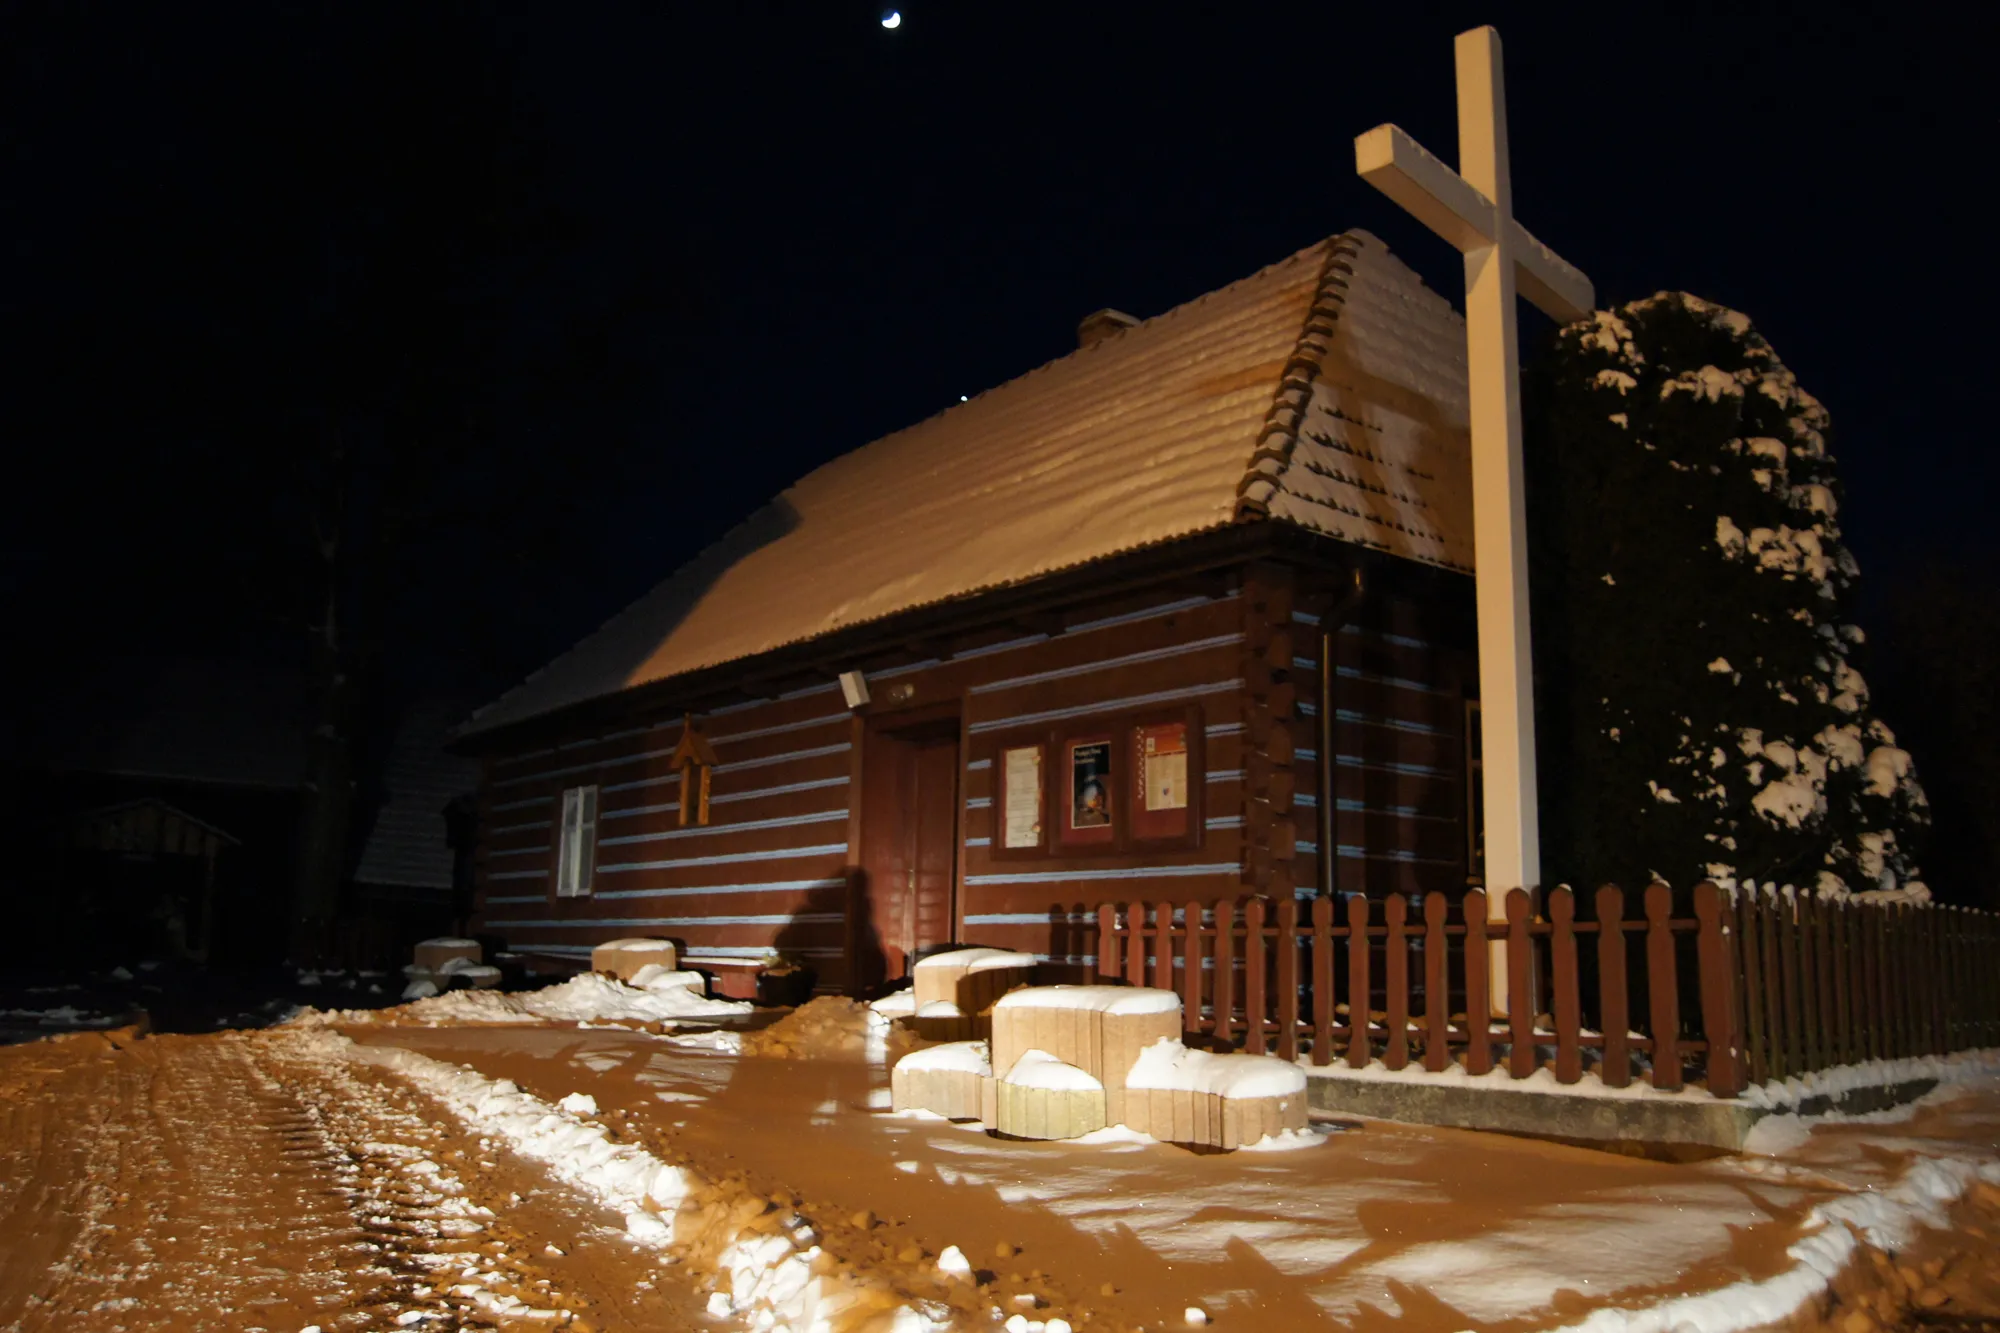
1287 1140
1101 999
1886 1218
1783 1094
1170 1066
655 977
831 1027
591 995
897 1004
979 959
1039 1069
773 1272
966 1057
588 996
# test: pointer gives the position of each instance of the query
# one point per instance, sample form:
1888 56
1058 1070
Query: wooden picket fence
1754 985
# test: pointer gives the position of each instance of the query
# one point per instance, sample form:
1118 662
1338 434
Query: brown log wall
778 864
1398 739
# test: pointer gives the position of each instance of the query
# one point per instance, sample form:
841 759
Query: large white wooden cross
1473 209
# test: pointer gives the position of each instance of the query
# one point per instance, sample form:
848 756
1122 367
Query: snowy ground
547 1173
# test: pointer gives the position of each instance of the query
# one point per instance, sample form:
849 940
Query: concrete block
624 958
433 955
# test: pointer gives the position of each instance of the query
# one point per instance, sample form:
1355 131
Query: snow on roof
1326 391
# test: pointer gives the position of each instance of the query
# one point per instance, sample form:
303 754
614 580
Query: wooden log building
1064 643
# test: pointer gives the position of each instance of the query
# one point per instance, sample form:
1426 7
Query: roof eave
825 656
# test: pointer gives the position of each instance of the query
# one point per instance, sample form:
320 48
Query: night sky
576 287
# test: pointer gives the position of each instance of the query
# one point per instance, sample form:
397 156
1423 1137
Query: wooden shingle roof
1326 391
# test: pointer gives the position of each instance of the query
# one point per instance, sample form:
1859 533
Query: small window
576 853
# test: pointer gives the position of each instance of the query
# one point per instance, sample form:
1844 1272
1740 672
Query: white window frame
576 849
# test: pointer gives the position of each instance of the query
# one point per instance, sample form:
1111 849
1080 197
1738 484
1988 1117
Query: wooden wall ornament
694 759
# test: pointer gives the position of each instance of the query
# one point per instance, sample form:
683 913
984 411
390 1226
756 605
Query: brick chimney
1098 326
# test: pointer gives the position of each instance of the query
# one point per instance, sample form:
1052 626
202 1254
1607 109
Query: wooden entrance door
909 831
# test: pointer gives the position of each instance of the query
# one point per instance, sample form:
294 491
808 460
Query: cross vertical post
1473 209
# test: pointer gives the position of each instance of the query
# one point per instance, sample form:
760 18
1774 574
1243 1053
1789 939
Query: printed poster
1164 761
1021 779
1090 785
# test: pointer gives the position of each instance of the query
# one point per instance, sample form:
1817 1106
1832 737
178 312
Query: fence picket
1135 944
1254 963
1191 933
1871 986
1837 916
1565 1004
1663 988
1288 978
1940 996
1807 908
1107 939
1829 1049
1357 981
1770 912
1322 980
1478 990
1396 981
1788 958
1225 972
1437 988
1748 937
1718 1020
1896 954
1163 946
1612 996
1521 1059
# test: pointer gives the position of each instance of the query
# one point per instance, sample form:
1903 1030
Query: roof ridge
1280 436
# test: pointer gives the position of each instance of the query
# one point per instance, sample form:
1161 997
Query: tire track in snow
220 1182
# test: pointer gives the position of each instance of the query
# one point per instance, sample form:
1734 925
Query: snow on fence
1753 986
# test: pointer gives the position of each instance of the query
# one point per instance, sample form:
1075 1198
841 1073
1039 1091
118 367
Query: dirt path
1385 1226
195 1183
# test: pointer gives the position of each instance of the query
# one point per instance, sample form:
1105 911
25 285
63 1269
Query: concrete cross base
1650 1125
1047 1113
955 1094
1209 1119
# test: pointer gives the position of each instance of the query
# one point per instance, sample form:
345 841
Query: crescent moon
893 19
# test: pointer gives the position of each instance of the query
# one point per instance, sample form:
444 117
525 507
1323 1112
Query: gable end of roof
1280 436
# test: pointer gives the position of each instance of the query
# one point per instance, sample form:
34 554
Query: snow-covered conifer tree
1698 708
